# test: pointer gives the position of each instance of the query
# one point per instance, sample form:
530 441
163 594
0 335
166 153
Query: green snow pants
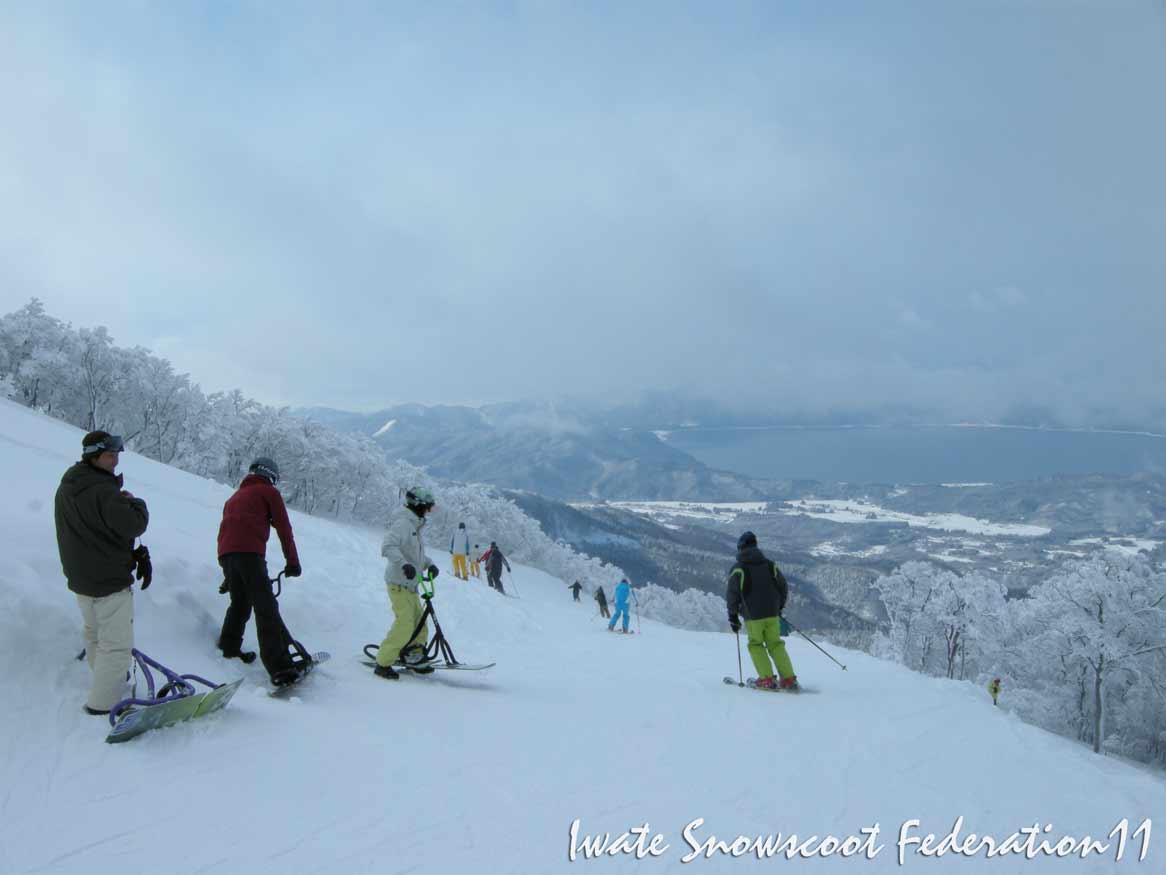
407 611
765 642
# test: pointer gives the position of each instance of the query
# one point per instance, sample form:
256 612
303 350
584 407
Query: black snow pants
250 590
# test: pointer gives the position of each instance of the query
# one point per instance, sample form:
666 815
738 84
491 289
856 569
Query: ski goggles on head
111 444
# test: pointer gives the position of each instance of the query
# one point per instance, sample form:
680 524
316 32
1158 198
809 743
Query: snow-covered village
557 437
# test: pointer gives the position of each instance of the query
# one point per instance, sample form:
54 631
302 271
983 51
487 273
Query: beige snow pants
109 638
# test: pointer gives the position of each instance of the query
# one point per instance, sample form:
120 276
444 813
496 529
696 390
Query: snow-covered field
853 511
717 511
835 510
484 772
1125 546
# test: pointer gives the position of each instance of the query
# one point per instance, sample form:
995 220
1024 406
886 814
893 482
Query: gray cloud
955 208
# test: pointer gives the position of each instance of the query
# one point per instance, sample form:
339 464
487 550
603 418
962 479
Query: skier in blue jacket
622 590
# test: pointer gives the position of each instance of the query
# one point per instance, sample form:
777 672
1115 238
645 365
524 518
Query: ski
751 683
282 691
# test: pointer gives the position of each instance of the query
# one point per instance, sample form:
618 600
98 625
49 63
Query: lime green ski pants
765 642
407 611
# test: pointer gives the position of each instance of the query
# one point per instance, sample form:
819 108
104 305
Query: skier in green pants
758 590
404 550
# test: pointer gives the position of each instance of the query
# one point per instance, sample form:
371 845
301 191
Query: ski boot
790 684
386 671
766 683
415 659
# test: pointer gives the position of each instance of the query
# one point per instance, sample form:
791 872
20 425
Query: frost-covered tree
1102 621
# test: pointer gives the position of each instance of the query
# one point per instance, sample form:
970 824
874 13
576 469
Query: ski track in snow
355 774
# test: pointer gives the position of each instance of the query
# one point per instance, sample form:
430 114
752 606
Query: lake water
938 454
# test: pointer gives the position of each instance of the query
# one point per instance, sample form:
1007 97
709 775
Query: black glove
293 571
433 572
410 571
734 622
143 569
224 587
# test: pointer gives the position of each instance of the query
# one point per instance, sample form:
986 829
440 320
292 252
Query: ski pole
740 670
510 577
639 631
815 643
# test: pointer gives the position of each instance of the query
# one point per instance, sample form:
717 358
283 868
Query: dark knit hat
747 540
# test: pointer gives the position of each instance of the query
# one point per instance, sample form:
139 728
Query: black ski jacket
96 527
756 587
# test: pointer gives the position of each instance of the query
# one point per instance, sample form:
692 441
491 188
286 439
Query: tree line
80 376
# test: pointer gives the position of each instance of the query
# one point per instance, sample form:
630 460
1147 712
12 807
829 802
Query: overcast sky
959 205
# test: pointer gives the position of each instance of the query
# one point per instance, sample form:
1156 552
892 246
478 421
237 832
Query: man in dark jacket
97 522
494 561
575 587
602 599
758 590
248 517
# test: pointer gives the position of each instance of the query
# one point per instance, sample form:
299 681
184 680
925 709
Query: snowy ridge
384 429
355 774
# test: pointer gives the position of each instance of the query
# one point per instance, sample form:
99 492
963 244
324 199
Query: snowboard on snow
751 683
430 667
370 652
138 719
282 691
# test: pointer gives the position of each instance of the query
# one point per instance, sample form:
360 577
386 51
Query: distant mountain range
545 448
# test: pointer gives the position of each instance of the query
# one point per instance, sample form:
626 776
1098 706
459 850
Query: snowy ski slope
482 772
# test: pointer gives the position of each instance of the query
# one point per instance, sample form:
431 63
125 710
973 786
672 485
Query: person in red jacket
248 517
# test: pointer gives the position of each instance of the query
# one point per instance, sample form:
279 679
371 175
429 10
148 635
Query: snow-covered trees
1084 653
1100 624
80 376
940 621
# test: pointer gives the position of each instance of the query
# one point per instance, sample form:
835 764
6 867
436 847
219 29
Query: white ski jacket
403 545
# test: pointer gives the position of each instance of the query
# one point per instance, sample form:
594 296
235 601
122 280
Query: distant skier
459 548
602 599
248 517
97 522
575 587
494 561
994 689
404 550
623 590
758 589
475 565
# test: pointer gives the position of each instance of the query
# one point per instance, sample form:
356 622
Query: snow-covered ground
827 549
718 511
483 772
1123 545
856 511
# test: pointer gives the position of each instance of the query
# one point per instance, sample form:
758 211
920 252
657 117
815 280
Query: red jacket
248 517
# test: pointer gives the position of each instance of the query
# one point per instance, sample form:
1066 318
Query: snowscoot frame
301 656
175 701
437 644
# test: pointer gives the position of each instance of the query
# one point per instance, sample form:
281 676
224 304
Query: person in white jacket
459 548
404 550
